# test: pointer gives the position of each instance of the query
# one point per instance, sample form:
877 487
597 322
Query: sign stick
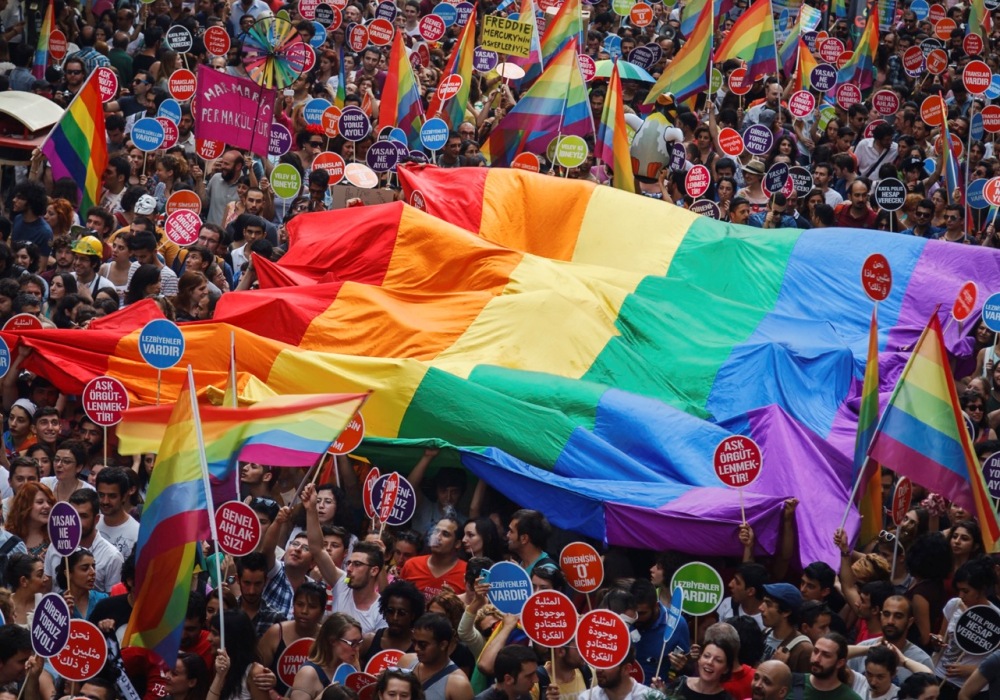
743 513
67 572
159 373
589 607
105 445
553 650
854 493
895 551
663 650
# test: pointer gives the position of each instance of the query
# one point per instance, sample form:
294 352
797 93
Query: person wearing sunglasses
954 225
337 643
922 221
441 677
74 73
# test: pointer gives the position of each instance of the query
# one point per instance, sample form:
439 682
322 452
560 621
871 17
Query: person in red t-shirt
855 212
442 566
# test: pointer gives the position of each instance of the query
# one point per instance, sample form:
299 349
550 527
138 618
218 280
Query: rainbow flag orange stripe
460 64
401 104
752 39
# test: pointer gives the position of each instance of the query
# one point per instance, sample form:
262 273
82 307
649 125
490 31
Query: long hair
332 629
18 520
186 285
239 629
194 667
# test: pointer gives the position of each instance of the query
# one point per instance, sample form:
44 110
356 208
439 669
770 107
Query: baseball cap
786 594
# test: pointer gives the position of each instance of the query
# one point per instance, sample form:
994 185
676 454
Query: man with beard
828 666
771 681
251 572
355 593
107 560
221 187
896 619
429 573
616 684
400 605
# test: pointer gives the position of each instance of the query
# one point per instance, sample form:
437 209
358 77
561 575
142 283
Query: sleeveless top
376 647
434 687
280 687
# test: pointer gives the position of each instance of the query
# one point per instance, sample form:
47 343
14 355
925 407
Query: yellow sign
506 37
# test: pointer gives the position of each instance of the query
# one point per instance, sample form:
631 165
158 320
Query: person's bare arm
327 568
847 582
973 685
488 658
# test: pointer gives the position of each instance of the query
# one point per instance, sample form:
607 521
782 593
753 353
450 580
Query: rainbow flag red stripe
77 146
752 39
400 98
460 64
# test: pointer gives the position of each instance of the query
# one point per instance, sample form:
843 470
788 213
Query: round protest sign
674 613
823 77
571 151
330 121
104 401
944 28
383 660
354 124
64 528
775 178
357 38
307 9
484 60
802 179
801 104
366 491
978 630
758 139
936 13
382 156
549 619
329 16
217 41
107 83
57 45
292 658
715 82
182 227
737 461
736 85
431 27
447 12
526 161
588 68
170 132
913 60
510 587
642 56
510 71
703 589
161 343
4 358
390 491
706 207
991 118
890 194
434 134
350 437
85 657
238 527
937 62
405 504
991 312
360 175
147 134
844 59
22 322
901 497
178 38
847 95
991 191
641 14
209 150
976 76
342 672
697 181
386 10
380 32
285 181
50 625
876 277
181 84
359 681
730 141
991 474
183 199
885 102
417 200
279 140
331 162
931 111
602 638
314 109
965 302
582 566
973 44
830 49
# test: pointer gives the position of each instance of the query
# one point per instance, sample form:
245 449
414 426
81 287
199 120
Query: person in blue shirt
922 221
30 203
651 624
774 215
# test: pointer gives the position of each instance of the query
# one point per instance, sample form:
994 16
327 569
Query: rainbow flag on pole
534 63
612 141
860 69
752 39
866 469
980 21
566 25
922 433
687 74
692 12
951 171
42 49
401 104
77 147
460 64
176 517
556 104
341 97
806 63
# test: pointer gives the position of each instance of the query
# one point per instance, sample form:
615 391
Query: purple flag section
232 110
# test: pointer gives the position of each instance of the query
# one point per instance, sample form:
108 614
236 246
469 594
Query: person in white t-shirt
115 490
746 593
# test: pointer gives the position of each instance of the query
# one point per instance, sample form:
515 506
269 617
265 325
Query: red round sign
307 9
358 38
183 199
735 82
973 44
330 121
350 438
977 76
932 111
635 671
991 191
209 150
380 32
417 200
737 461
292 658
181 85
449 87
697 181
383 660
582 566
366 491
358 681
431 27
238 527
730 141
331 162
944 28
885 102
936 13
107 83
602 639
991 118
23 322
641 14
869 131
801 104
588 68
526 161
830 49
105 400
965 302
876 277
843 59
937 62
901 497
182 227
913 59
170 133
549 619
390 492
85 656
848 95
57 45
217 41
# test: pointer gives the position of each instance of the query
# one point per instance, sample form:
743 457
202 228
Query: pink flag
236 111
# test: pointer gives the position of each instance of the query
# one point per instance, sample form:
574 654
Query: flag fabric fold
806 63
566 25
866 469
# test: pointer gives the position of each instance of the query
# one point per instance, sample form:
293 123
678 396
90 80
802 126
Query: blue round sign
4 357
147 134
930 165
343 671
674 613
434 134
446 12
613 45
319 38
993 91
921 9
823 77
313 111
406 500
464 12
991 313
976 129
161 343
397 135
974 194
50 625
171 109
510 587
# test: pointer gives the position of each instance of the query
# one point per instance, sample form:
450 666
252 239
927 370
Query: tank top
376 647
434 687
278 651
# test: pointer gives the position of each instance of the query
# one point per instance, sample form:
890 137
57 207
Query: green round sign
826 113
716 83
702 585
622 7
571 152
285 181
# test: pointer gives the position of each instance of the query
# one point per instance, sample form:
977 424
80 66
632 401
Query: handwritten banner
233 110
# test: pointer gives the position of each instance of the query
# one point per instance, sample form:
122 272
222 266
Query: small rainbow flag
341 97
687 74
789 52
691 13
566 25
612 141
556 104
42 49
401 104
77 147
980 21
534 63
922 433
952 178
460 64
752 39
865 469
860 69
806 63
839 8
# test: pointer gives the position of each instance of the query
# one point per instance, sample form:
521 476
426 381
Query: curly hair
18 520
64 212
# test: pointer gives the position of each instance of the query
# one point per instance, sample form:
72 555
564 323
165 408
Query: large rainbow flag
401 104
687 74
581 349
77 147
752 39
460 64
922 433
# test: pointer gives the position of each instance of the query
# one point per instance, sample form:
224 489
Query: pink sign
105 400
182 227
238 527
233 110
107 83
737 461
801 103
697 181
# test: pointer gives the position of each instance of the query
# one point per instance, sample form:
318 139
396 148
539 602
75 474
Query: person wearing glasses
74 73
337 643
441 678
922 221
135 102
954 226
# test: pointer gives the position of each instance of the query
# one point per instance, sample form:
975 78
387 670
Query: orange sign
351 437
183 199
582 566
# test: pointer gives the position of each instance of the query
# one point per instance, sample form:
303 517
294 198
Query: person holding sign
79 588
516 671
714 667
616 684
310 603
107 560
651 623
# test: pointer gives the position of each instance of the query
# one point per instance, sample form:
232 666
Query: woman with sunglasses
975 408
337 643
